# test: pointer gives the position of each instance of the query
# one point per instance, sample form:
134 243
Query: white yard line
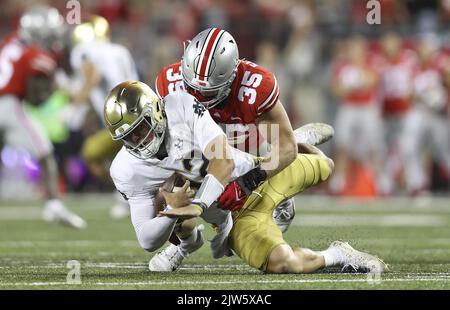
87 243
71 243
305 220
391 220
205 282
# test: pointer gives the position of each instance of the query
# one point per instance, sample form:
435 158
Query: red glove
232 198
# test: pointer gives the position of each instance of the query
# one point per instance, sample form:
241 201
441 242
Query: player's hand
251 180
183 213
179 199
232 198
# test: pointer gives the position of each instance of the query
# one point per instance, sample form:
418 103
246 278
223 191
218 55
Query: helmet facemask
209 96
144 138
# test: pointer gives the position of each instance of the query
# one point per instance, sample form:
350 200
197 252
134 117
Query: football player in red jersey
245 97
26 72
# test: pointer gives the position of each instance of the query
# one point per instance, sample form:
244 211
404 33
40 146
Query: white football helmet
209 66
42 25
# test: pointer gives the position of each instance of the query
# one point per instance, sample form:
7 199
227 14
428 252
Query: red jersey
397 82
351 77
254 91
18 62
429 77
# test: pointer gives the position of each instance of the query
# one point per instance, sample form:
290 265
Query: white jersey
112 61
190 129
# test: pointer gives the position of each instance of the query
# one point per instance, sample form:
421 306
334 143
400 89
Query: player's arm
276 128
219 171
224 162
152 231
91 79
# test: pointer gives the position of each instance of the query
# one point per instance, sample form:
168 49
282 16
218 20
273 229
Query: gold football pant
255 234
100 146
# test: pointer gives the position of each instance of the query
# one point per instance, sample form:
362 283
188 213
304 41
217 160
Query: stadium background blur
301 41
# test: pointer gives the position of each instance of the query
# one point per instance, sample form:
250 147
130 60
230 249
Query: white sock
186 244
332 257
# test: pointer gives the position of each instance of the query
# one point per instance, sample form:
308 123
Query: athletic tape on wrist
209 191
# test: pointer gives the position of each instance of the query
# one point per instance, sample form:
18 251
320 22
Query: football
172 184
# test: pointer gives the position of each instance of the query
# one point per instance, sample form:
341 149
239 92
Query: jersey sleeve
78 56
203 127
129 182
268 92
151 231
161 84
205 130
169 80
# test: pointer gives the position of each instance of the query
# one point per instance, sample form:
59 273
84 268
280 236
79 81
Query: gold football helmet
134 114
95 29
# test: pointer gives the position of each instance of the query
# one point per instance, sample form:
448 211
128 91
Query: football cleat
314 133
120 211
357 260
351 268
56 212
167 260
284 214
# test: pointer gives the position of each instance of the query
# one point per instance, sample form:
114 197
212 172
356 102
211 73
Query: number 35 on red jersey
254 91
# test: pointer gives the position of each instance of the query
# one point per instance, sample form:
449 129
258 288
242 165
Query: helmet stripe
197 68
213 50
205 60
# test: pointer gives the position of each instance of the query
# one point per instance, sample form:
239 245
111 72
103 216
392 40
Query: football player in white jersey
99 65
163 137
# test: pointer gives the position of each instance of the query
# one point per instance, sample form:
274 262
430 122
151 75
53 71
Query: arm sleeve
160 87
270 91
152 232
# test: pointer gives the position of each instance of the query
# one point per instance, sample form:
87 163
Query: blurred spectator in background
396 66
357 124
295 39
427 123
300 59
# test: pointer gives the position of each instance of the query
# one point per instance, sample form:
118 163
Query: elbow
290 150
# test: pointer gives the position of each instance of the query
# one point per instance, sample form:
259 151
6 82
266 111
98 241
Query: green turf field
413 237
